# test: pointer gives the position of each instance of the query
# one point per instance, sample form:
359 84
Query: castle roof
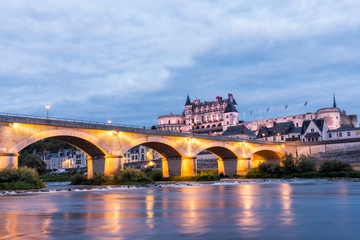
231 105
188 102
239 129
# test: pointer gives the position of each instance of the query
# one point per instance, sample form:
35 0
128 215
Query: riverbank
67 187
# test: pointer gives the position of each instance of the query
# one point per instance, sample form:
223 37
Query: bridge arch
96 151
81 140
266 154
174 156
228 159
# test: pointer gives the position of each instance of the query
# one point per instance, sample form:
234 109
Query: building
239 131
212 117
64 158
221 117
334 117
140 153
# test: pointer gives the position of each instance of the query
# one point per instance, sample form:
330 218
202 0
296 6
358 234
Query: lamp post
109 122
47 110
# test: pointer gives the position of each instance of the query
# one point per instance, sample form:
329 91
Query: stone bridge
106 144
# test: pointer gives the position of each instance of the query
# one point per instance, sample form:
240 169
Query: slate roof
318 122
295 130
230 106
343 129
188 102
279 128
313 134
239 129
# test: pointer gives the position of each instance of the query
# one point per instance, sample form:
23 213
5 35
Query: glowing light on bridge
47 110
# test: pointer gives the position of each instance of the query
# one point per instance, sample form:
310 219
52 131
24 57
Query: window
274 138
340 134
282 137
349 134
312 130
330 135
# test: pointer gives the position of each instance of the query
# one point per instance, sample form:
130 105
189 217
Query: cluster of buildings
75 158
64 158
221 117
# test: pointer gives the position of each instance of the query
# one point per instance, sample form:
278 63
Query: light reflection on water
253 211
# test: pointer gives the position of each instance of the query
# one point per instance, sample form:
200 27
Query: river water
275 209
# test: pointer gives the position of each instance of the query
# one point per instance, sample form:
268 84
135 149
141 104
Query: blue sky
130 61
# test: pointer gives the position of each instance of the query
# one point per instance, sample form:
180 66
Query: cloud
134 60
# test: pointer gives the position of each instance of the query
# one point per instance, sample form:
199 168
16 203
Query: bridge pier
185 166
188 166
113 164
8 160
95 165
234 166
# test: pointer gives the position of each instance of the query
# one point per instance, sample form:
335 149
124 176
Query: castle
202 117
221 117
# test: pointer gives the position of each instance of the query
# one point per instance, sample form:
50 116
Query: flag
268 109
286 106
305 103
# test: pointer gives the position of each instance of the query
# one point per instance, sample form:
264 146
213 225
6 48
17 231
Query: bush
155 175
306 163
33 161
133 175
21 178
288 164
79 179
335 166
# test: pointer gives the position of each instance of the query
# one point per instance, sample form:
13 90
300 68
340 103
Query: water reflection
286 213
203 212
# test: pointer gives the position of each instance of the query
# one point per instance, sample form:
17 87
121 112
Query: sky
131 61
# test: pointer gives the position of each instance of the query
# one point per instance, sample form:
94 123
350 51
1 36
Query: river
274 209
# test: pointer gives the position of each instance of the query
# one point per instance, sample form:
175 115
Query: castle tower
231 114
188 114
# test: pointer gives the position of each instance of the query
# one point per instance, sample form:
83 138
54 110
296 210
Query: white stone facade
140 154
202 117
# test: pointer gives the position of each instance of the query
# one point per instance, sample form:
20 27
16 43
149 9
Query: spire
188 102
230 106
334 101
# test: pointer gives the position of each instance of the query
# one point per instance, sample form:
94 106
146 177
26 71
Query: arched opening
219 159
156 155
265 155
213 125
77 153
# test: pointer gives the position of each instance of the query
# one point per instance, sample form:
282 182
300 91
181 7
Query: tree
32 161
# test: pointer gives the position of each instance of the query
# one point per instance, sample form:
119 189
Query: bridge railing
73 120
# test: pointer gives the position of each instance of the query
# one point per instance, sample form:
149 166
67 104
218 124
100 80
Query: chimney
217 99
230 97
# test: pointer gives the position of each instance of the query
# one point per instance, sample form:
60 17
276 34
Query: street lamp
109 121
47 110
